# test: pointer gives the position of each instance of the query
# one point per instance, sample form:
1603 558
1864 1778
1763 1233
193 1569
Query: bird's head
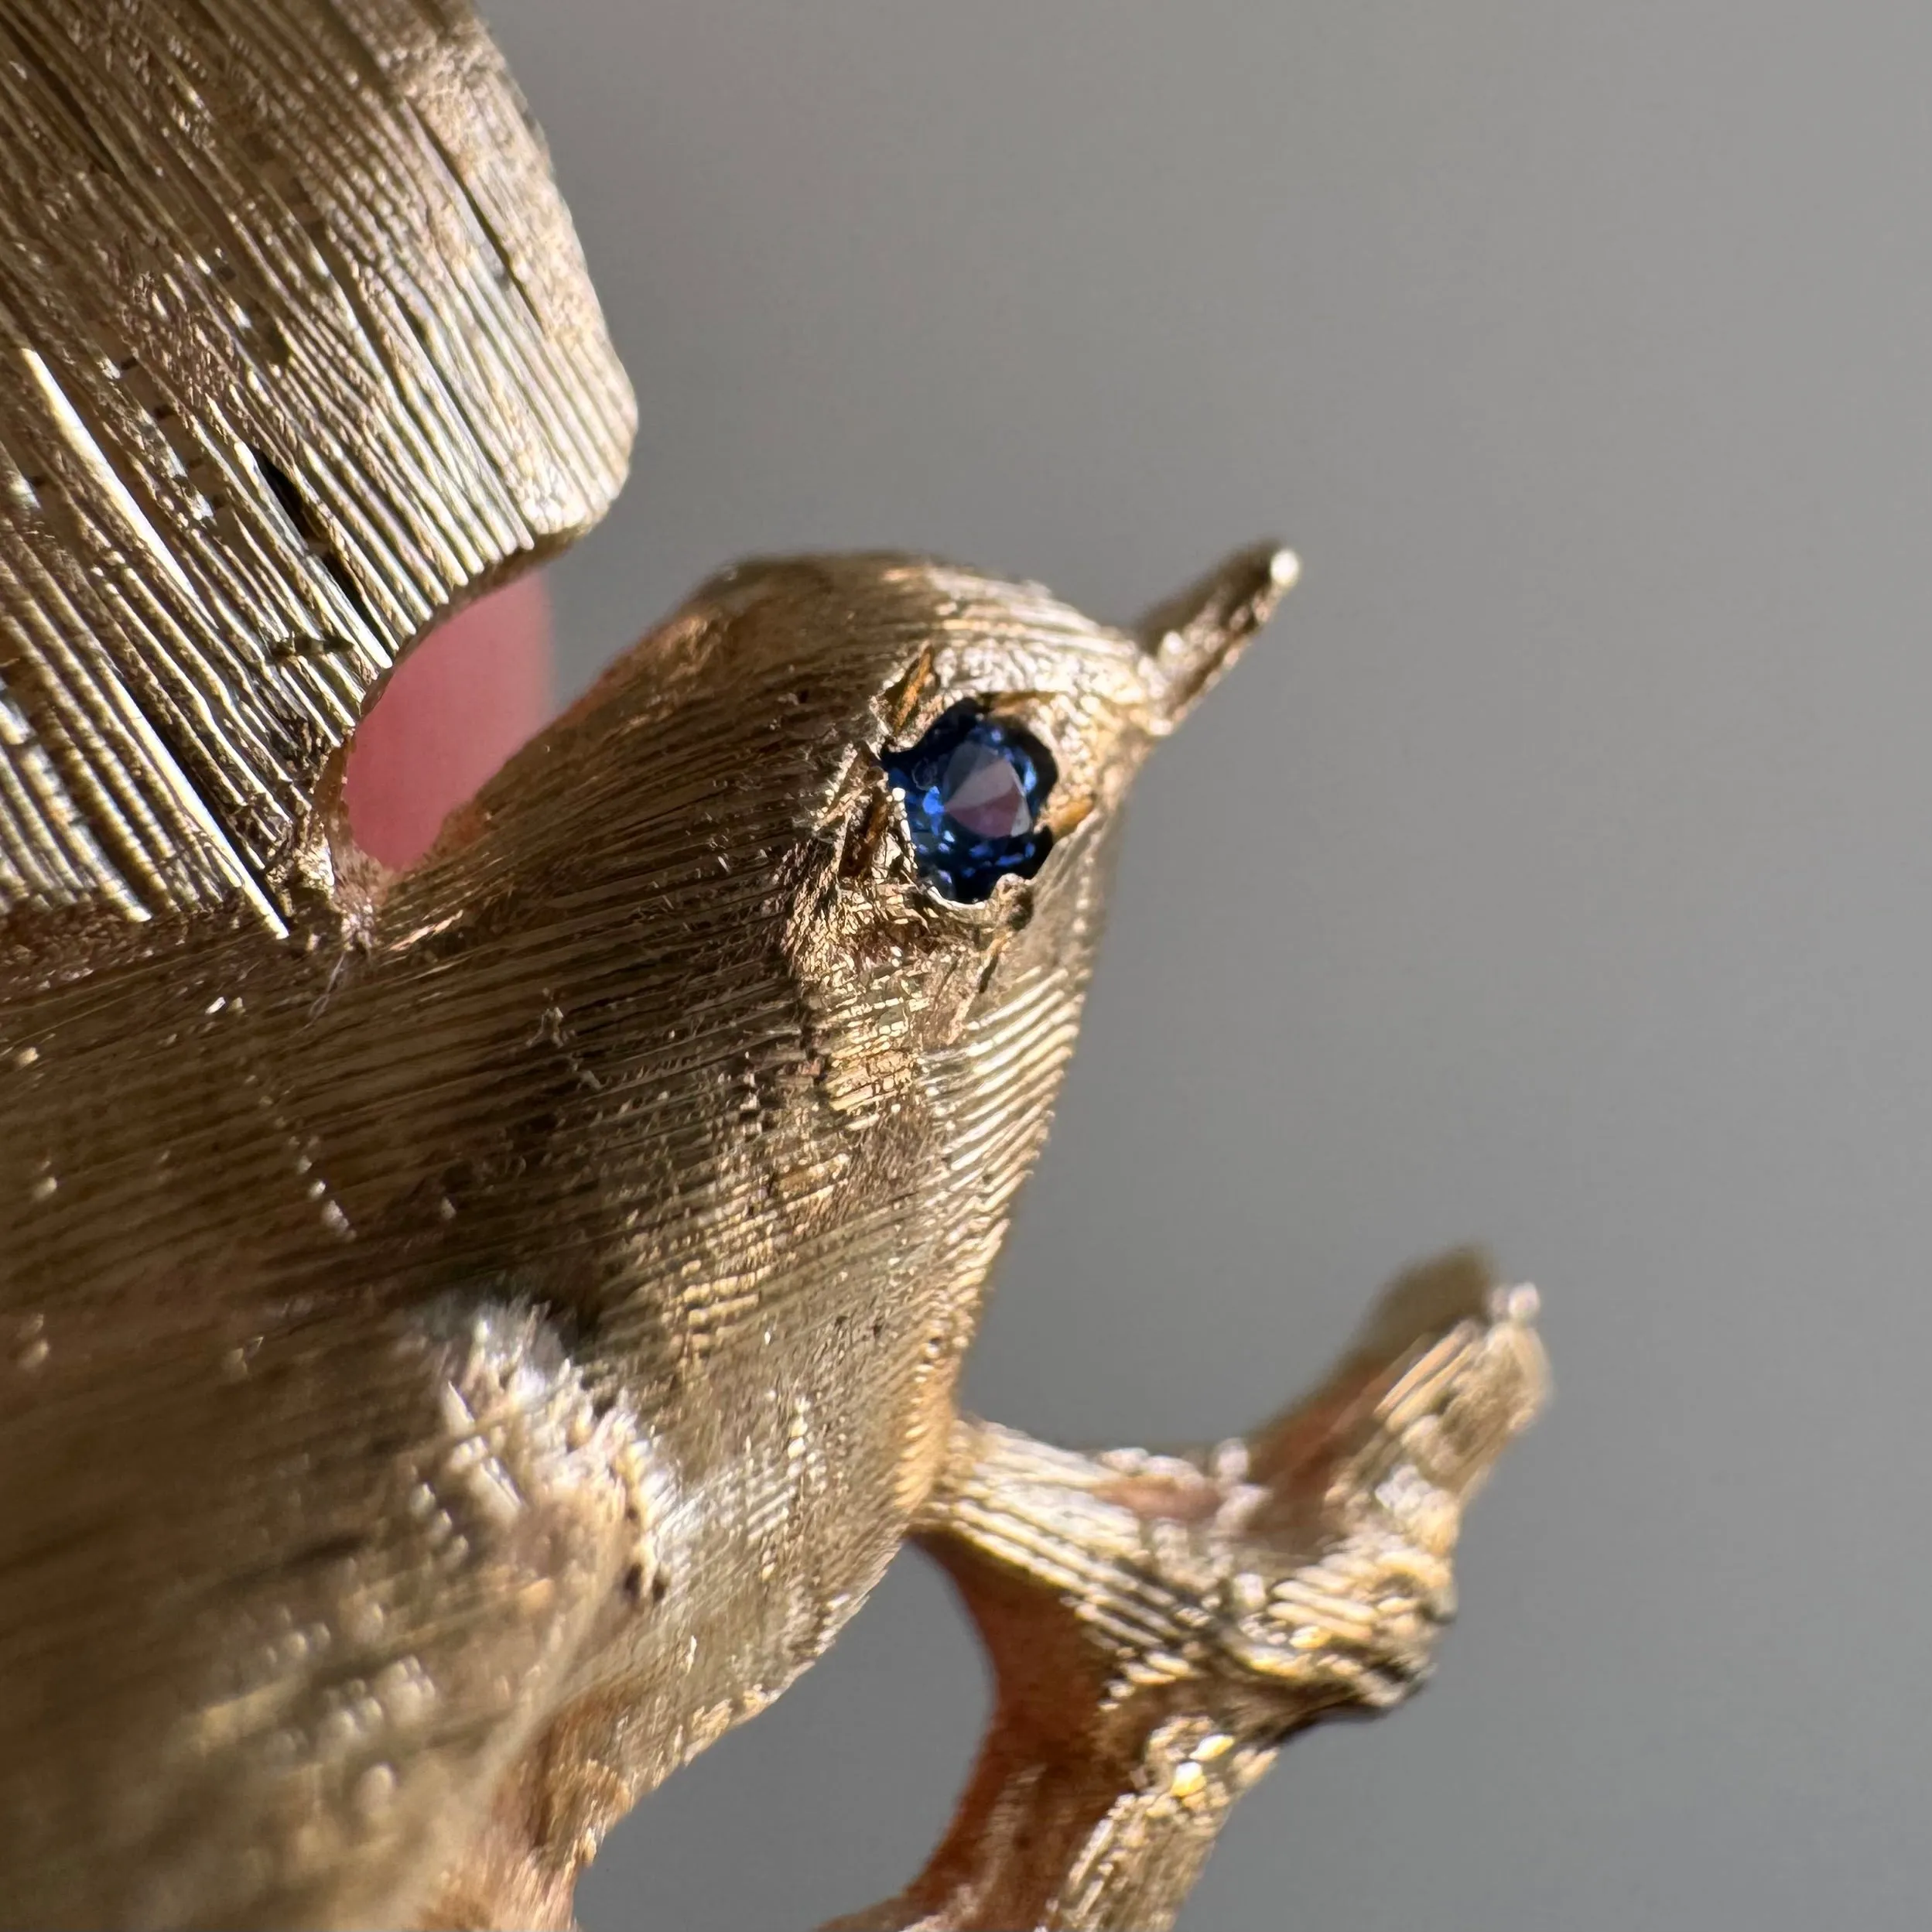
780 936
916 770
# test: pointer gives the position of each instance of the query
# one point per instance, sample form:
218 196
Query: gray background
1556 871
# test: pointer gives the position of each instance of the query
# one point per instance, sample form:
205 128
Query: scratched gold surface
1160 1626
469 1337
237 238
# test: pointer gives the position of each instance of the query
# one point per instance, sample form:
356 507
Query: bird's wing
297 351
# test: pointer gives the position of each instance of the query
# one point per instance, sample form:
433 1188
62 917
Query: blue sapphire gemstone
972 788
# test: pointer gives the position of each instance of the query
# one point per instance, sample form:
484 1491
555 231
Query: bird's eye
973 788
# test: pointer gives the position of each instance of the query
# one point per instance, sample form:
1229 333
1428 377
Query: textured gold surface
469 1337
296 349
1161 1624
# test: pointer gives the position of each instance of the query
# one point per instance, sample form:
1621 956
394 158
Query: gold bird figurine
470 1336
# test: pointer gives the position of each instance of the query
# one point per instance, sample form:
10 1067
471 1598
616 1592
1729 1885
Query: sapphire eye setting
972 788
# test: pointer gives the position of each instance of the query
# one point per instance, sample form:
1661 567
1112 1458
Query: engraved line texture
297 350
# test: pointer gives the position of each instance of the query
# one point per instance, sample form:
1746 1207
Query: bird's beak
1194 637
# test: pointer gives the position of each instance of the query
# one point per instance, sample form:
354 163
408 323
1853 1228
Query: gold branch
1159 1625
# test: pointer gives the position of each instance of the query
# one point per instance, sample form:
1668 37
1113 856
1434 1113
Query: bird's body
665 1101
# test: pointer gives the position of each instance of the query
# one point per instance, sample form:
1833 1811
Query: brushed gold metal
296 351
1160 1626
468 1337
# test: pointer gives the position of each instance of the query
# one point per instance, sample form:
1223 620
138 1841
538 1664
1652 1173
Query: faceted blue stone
972 788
